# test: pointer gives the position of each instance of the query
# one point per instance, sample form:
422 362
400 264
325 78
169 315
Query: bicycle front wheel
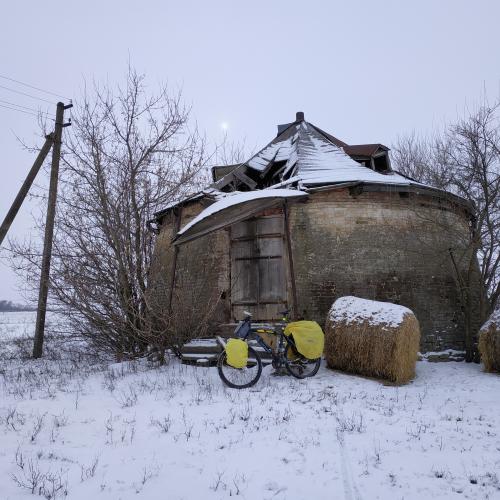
240 378
299 366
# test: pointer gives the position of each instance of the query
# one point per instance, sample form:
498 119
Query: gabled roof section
368 150
305 158
330 137
308 156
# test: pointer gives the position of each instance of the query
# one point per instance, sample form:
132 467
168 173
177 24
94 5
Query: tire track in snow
351 491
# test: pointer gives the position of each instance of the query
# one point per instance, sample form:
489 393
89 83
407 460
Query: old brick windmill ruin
304 221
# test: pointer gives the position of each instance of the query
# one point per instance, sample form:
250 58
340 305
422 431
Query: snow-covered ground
129 430
15 325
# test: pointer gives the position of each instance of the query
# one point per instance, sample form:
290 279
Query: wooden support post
295 308
174 260
49 232
466 309
21 195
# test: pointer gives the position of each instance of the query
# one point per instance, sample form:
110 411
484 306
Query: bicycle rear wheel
240 378
299 366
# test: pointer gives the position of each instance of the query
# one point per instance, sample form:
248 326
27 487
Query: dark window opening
235 186
252 174
272 175
366 162
381 163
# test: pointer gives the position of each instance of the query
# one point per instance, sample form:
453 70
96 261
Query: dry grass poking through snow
80 429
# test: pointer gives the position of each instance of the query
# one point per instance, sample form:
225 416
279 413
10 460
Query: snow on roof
210 192
237 198
275 151
353 309
313 159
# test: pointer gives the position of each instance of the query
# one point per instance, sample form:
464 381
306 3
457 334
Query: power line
16 109
35 88
28 95
23 107
22 111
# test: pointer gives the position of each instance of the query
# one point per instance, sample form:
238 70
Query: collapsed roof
235 207
306 158
303 155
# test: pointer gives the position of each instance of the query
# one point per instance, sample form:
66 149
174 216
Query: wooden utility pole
295 307
16 205
49 231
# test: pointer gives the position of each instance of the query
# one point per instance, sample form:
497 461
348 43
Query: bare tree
230 152
423 159
465 159
474 154
129 154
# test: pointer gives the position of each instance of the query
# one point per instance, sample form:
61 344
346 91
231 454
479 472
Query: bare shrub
45 484
129 154
163 424
148 472
218 482
60 420
88 471
127 398
350 423
37 427
110 428
14 420
172 325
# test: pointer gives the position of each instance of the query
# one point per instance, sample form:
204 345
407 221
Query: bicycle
284 355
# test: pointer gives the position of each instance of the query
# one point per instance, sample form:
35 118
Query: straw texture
370 346
489 344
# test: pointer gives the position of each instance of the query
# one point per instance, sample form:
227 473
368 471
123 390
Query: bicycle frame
245 331
286 359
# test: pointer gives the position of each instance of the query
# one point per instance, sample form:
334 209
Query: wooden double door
258 268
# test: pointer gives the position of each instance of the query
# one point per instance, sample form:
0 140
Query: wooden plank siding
258 271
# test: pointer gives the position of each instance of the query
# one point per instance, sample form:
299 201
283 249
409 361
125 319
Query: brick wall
373 245
201 277
384 247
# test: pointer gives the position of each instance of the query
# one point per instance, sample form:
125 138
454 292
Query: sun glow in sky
224 126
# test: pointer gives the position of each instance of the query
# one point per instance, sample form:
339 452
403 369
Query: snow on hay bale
489 343
372 338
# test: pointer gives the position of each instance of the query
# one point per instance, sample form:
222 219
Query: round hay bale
377 339
489 343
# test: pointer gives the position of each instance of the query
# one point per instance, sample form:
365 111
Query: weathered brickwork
201 275
383 247
375 245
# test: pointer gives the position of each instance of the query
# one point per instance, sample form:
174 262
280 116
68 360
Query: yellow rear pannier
236 353
308 337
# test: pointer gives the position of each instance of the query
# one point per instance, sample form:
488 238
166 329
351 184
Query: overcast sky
364 71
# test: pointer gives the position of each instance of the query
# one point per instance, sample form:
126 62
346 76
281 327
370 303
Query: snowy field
80 429
14 325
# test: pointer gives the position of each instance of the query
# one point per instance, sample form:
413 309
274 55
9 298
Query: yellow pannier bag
308 337
236 353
